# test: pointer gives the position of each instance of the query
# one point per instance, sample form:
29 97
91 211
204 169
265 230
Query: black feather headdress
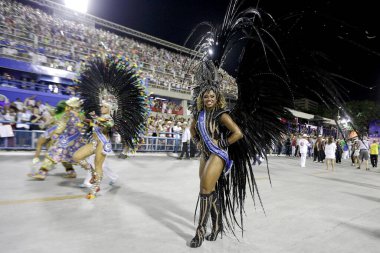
115 81
246 50
247 47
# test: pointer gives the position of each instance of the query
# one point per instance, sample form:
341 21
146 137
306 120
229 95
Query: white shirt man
177 129
186 135
363 153
303 144
363 144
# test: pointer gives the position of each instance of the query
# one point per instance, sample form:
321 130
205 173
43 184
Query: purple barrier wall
28 67
13 93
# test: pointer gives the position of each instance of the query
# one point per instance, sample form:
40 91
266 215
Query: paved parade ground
151 209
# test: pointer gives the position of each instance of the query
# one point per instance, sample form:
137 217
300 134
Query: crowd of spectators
30 114
162 125
31 32
323 148
35 36
166 106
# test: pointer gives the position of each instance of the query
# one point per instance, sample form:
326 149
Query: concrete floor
151 209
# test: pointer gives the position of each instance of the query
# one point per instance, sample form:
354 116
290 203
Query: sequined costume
110 87
98 145
46 139
66 139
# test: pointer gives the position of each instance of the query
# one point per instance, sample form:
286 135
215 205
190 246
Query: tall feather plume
119 78
264 93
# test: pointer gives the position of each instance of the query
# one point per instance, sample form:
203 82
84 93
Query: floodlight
77 5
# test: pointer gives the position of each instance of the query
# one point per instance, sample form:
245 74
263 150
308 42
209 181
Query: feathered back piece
243 43
114 81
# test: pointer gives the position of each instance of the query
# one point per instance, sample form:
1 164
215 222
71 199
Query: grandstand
42 49
43 46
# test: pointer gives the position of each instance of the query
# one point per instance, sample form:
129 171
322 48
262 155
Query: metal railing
27 140
17 84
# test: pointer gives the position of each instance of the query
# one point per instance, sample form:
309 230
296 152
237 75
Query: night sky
347 31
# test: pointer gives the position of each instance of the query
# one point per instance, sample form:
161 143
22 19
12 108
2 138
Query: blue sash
49 131
63 140
107 146
211 146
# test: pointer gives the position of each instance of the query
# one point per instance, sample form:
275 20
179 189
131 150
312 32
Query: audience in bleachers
32 114
25 115
166 106
32 35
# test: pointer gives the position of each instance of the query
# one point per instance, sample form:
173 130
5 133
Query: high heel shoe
95 188
205 206
214 235
93 192
216 218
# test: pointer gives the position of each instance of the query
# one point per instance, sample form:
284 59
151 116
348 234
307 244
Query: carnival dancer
113 99
99 145
206 130
66 140
45 139
51 126
231 139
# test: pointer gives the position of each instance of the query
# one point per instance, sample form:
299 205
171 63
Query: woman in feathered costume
113 98
266 80
244 47
207 131
231 139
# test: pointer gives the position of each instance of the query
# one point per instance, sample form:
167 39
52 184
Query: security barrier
27 140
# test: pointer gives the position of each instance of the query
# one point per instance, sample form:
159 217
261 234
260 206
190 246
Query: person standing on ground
185 140
338 152
316 149
363 153
330 150
355 154
303 146
288 147
374 153
294 144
